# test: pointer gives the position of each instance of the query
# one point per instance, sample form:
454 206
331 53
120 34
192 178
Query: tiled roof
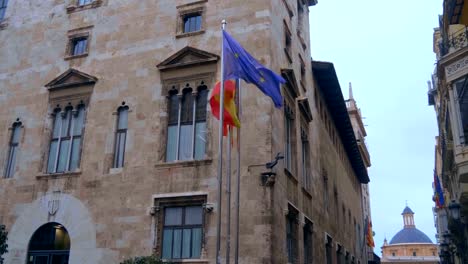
410 235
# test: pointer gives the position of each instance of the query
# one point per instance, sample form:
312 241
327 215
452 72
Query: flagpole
220 150
228 187
239 109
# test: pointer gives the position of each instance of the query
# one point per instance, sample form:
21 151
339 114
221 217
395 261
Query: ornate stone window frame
189 67
76 7
198 8
18 124
69 89
162 201
75 34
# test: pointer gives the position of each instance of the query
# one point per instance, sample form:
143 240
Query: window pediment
291 83
187 56
71 78
304 107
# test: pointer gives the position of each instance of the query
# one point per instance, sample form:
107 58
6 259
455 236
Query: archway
50 244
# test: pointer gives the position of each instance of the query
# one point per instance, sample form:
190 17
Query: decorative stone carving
457 69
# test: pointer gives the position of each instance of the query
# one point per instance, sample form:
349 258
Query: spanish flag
230 111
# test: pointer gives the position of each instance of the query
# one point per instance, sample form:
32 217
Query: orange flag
230 111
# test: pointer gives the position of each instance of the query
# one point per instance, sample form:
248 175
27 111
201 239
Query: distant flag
230 111
439 193
238 63
369 234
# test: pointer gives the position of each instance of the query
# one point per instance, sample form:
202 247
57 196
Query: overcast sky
385 49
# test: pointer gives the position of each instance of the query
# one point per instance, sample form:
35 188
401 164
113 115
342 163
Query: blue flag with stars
238 63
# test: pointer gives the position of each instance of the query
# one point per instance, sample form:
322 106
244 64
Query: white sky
385 49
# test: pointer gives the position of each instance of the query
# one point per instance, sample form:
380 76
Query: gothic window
290 131
66 141
120 136
306 181
13 149
291 234
308 245
186 132
328 249
3 7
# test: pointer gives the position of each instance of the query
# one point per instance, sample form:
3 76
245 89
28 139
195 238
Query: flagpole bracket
268 178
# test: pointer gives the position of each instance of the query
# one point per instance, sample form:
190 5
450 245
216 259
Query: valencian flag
238 63
230 111
369 234
439 193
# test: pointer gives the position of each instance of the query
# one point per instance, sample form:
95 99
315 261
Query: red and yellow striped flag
230 111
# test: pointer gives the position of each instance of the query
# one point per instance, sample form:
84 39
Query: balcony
456 40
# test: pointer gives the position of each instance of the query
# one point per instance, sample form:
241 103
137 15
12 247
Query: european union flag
238 63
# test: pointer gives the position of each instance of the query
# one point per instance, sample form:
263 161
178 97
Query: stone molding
456 69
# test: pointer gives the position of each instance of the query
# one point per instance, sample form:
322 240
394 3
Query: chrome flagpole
239 111
228 187
220 151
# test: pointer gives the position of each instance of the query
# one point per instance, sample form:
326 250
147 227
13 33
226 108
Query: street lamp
457 230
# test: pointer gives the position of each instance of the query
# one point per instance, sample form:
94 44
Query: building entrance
50 244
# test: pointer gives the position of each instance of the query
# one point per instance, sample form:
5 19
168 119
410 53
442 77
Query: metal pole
220 151
239 110
228 187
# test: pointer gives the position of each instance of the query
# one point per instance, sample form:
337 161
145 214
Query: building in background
360 134
409 245
108 149
448 94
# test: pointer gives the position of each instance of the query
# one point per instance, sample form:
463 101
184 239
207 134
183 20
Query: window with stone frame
308 242
186 126
292 234
305 157
13 147
180 227
78 42
347 258
328 249
120 136
287 41
84 2
290 134
326 195
191 18
3 7
66 140
461 99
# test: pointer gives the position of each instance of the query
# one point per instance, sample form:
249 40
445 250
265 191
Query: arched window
50 244
13 149
186 132
65 144
120 136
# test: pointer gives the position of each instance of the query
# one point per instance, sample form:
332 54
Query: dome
407 210
410 235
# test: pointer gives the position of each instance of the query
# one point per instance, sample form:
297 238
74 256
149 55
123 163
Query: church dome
409 233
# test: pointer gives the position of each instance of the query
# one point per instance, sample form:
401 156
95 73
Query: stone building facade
447 95
109 150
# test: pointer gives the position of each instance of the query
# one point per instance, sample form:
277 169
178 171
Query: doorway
50 244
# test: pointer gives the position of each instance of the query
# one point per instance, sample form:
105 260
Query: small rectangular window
79 46
84 2
13 150
120 136
3 7
182 232
192 22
